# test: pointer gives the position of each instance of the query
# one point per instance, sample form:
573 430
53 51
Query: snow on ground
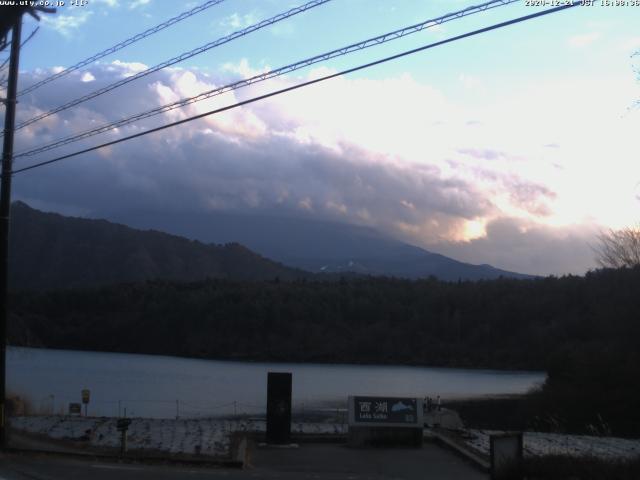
209 437
540 444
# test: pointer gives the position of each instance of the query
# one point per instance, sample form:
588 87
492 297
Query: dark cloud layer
515 244
251 160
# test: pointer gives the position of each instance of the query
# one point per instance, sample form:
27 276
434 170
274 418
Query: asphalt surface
339 461
308 461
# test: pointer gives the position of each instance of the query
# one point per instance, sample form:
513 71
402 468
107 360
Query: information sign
385 411
123 424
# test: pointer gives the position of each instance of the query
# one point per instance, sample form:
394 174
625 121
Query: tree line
583 331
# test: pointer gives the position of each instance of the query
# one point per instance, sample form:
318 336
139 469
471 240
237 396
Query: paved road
309 461
339 461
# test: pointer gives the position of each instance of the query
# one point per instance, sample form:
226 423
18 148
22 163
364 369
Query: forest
583 331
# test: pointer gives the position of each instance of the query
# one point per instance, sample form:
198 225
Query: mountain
48 250
316 246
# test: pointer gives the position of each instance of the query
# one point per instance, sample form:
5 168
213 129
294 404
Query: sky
513 148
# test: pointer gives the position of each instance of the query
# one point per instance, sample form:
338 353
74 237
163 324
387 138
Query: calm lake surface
159 386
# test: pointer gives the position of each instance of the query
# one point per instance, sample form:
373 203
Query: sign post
75 409
86 395
123 425
385 421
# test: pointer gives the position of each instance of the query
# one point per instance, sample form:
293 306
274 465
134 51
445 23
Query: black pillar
278 408
5 208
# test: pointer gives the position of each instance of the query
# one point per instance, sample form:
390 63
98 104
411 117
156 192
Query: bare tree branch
619 248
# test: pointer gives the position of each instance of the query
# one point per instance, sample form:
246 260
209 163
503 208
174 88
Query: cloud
243 69
482 154
395 154
470 82
127 69
522 246
87 77
238 21
138 3
247 159
583 40
108 3
66 25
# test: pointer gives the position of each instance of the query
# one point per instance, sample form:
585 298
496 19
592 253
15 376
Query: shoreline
243 360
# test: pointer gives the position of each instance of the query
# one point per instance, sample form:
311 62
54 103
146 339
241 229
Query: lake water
159 386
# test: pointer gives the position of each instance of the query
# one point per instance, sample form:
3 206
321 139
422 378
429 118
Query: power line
35 30
123 44
301 85
179 58
3 82
380 39
24 42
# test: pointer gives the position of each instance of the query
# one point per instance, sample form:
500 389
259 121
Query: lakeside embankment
212 437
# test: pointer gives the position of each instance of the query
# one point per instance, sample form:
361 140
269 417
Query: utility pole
5 208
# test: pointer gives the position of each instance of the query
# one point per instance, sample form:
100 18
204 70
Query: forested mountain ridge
53 251
49 250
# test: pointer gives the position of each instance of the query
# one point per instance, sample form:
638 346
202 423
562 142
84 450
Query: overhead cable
301 85
121 45
380 39
174 60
